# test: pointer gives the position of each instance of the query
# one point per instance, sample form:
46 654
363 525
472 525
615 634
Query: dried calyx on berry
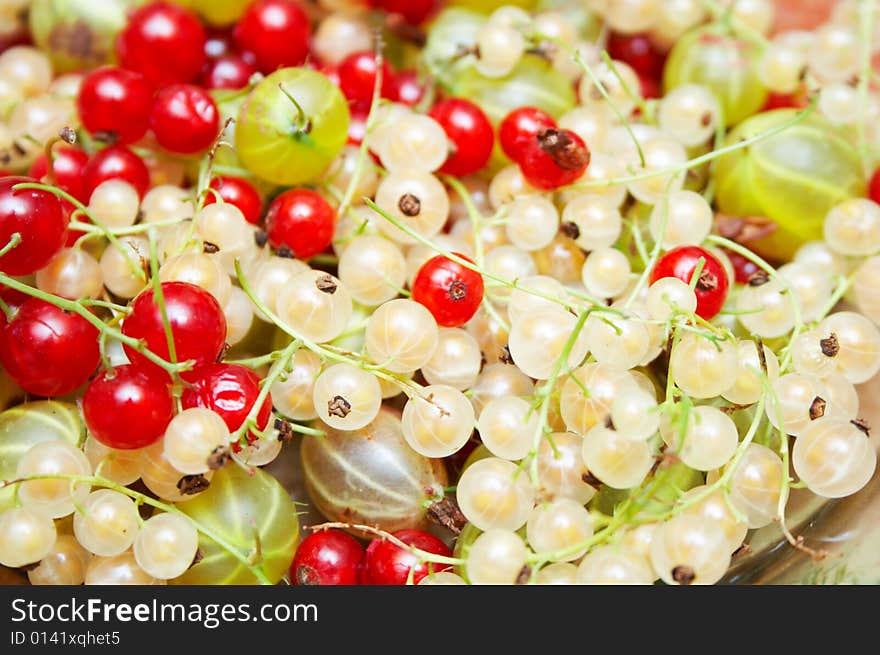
565 151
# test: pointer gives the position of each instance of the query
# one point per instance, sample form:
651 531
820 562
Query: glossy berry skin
48 351
743 268
555 158
301 221
40 220
413 12
518 130
408 88
184 119
874 187
116 162
114 104
230 391
638 51
68 165
275 32
198 325
239 192
388 564
471 133
227 72
357 78
163 42
328 557
712 287
128 407
451 292
357 126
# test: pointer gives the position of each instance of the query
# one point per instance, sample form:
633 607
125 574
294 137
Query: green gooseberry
291 126
793 178
251 511
724 64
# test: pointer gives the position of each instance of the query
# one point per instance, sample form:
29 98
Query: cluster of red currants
334 557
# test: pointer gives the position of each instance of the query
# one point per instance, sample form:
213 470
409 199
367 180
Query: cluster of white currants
107 542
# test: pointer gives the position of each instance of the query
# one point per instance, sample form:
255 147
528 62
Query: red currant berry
638 51
711 289
301 221
556 158
743 268
218 43
650 87
796 100
114 104
48 351
451 292
39 219
518 130
275 32
128 407
408 88
874 187
184 118
413 12
230 391
227 72
163 42
68 166
357 78
329 557
386 563
116 162
198 325
470 133
239 192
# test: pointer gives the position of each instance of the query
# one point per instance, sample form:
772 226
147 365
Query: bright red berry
230 391
114 104
184 118
470 133
68 166
650 87
48 351
874 187
218 43
38 218
408 88
413 12
386 563
302 221
116 162
275 32
639 52
799 99
450 291
163 42
197 322
227 72
743 268
357 78
128 407
555 158
518 130
239 192
328 557
712 286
